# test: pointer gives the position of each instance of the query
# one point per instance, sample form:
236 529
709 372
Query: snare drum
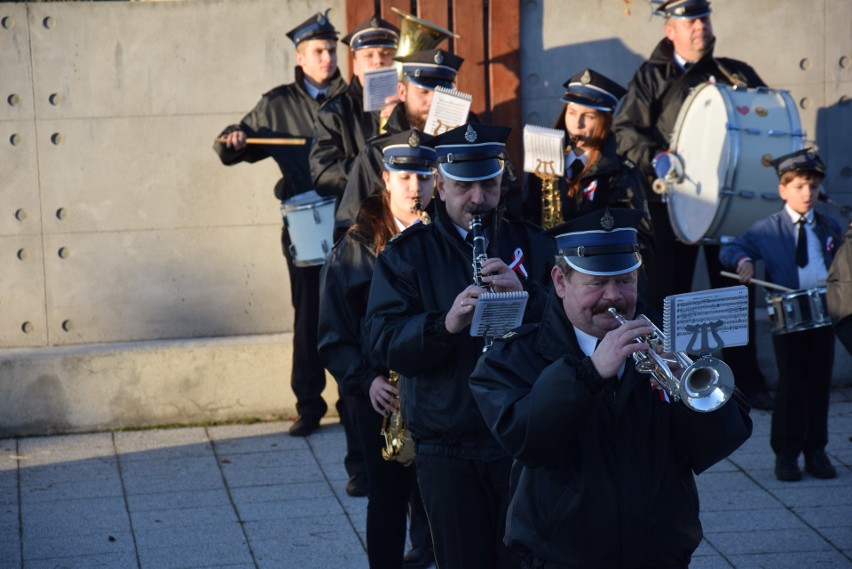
726 138
309 219
797 310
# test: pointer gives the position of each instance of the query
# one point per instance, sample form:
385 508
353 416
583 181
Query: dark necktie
320 98
576 167
802 243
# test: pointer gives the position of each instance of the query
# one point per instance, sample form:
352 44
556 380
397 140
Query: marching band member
291 110
342 126
796 245
422 72
419 313
643 129
595 176
409 164
604 462
341 129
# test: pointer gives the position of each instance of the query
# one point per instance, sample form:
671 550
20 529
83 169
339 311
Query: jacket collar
556 333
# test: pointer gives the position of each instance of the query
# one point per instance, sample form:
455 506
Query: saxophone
551 200
399 445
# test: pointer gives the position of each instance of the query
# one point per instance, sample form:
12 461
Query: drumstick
764 284
275 141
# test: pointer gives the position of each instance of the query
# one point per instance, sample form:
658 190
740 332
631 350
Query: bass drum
725 137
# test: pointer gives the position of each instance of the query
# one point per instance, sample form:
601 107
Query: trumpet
705 384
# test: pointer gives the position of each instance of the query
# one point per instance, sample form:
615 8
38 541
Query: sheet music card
544 151
449 109
498 312
379 84
708 320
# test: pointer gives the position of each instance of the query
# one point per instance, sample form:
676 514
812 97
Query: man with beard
342 126
643 127
290 110
604 460
421 73
419 313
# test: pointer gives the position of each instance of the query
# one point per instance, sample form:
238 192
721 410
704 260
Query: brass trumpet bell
706 384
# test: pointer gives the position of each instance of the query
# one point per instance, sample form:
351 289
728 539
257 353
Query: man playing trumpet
604 460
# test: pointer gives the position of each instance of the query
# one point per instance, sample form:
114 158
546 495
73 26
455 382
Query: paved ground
250 496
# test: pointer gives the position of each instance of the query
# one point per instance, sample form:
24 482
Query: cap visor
473 171
605 265
429 82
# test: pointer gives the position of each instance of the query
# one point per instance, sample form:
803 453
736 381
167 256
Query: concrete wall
121 232
142 281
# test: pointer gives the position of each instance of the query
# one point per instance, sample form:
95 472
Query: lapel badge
439 57
470 134
607 221
414 140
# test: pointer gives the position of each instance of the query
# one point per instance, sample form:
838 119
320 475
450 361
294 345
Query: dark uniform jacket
345 286
341 130
602 478
645 121
417 278
286 111
616 182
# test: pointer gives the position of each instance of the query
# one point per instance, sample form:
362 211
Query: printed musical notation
379 84
544 150
450 108
704 321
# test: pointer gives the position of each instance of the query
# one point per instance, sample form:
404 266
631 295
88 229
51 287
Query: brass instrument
418 209
418 35
399 446
415 35
551 199
705 385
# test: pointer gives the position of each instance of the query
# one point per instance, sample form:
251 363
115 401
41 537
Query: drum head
701 140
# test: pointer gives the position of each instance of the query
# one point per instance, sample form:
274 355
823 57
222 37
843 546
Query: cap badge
374 23
322 20
810 155
607 221
470 134
414 140
439 57
586 78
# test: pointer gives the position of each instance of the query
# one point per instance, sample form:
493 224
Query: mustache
602 307
477 209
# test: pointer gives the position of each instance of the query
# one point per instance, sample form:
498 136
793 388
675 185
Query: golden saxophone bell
399 446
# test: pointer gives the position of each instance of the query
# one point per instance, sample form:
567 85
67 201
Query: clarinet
479 258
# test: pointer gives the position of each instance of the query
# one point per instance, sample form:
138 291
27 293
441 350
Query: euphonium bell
705 384
418 35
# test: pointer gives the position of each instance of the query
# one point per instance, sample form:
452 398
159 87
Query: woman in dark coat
408 176
595 176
